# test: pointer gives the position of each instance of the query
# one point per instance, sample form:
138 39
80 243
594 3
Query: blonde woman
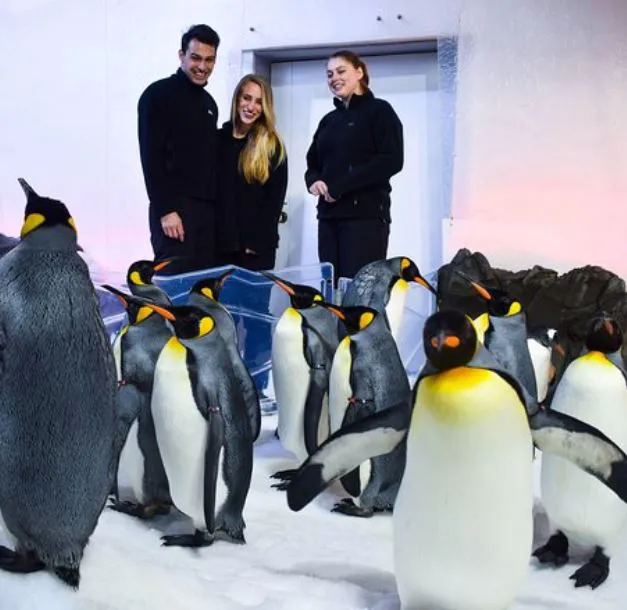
252 178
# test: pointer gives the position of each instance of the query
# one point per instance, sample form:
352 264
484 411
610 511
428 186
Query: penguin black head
189 322
354 318
449 338
137 309
43 212
409 271
301 296
500 303
211 287
141 272
604 335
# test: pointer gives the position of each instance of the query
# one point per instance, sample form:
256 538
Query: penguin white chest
290 376
396 305
541 362
181 432
463 516
339 384
594 391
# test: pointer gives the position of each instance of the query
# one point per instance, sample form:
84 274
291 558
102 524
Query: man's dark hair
202 33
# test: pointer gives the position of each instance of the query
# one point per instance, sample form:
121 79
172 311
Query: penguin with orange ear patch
367 377
593 389
136 349
139 279
506 334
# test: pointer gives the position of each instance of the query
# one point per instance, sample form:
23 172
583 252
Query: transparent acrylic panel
419 305
255 302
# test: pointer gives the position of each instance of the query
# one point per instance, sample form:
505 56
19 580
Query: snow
310 560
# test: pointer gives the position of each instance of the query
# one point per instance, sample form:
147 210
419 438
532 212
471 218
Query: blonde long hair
264 141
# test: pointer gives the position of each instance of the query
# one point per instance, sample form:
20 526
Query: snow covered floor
312 560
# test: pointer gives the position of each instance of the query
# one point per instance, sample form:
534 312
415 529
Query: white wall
541 121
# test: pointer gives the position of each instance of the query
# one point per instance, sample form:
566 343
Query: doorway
407 76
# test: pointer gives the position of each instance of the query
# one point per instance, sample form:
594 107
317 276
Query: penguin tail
70 576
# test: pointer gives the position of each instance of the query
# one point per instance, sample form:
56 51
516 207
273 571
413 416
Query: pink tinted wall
540 174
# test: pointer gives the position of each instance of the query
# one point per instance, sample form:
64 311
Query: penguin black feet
555 551
285 476
196 540
230 528
593 573
348 507
23 563
141 511
70 576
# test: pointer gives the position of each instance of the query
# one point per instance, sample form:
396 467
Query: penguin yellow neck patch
514 308
208 293
465 394
136 279
596 358
143 313
175 347
31 222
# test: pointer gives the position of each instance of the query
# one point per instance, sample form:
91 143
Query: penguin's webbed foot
196 540
555 551
348 507
594 573
24 563
230 528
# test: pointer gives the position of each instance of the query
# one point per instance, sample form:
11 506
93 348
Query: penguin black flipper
215 442
583 445
251 397
318 386
344 450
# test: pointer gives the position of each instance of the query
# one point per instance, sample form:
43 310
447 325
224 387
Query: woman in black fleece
356 149
252 179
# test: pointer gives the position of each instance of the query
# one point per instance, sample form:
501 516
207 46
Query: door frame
260 60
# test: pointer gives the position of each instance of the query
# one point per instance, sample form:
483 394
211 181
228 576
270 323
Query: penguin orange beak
164 263
608 326
279 282
118 293
333 309
478 288
164 313
421 280
450 341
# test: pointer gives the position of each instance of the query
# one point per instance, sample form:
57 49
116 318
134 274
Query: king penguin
205 294
303 344
463 513
202 429
505 335
139 280
593 389
382 285
57 397
367 376
137 348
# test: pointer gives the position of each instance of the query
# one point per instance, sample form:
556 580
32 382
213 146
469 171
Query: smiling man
177 121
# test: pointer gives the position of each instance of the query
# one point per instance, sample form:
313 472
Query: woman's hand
319 189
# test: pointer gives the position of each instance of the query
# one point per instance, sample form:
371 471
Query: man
177 121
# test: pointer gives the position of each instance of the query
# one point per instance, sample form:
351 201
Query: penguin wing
318 387
583 445
344 450
129 402
251 398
